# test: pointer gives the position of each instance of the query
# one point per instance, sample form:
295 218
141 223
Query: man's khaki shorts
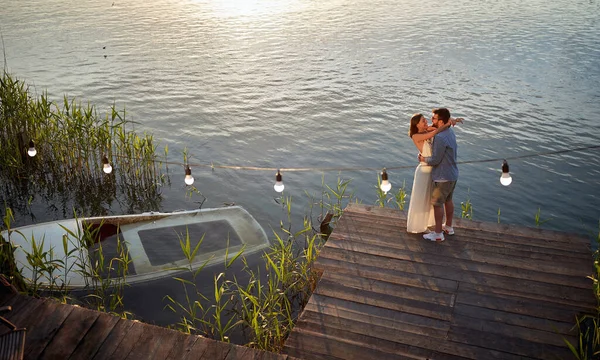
442 192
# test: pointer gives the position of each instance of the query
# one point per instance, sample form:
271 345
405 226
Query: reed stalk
71 139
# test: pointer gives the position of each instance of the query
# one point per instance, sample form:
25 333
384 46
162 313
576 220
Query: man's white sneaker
433 236
448 230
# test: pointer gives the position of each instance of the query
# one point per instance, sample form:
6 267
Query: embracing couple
435 176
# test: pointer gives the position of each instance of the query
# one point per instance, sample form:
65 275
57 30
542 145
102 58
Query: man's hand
421 158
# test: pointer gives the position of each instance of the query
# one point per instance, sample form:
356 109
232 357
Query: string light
106 165
385 184
505 178
189 179
31 151
278 182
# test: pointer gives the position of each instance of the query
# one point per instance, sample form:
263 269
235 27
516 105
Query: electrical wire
358 169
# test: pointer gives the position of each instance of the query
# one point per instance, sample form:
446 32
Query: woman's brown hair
414 120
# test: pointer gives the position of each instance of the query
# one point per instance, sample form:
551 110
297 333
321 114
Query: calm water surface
304 83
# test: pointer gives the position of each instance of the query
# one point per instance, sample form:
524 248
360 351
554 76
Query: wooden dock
57 331
492 291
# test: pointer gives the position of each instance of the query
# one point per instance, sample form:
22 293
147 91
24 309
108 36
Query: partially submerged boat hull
152 241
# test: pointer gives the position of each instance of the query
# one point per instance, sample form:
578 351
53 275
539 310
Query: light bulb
505 179
31 151
385 184
106 165
189 179
278 182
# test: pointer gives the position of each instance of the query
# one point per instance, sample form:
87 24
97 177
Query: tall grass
106 278
71 140
588 326
265 305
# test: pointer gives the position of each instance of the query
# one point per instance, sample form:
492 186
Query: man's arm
439 146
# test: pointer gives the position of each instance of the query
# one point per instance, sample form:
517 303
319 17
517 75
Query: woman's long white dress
420 210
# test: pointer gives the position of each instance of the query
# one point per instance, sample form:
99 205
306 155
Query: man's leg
438 214
449 205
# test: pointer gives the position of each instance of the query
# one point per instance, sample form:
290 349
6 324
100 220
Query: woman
420 210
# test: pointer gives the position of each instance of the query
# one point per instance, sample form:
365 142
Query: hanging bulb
278 182
189 179
385 184
505 179
31 151
106 165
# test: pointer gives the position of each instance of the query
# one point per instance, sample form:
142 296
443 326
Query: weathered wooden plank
514 345
5 298
198 349
308 344
457 249
155 342
436 297
166 344
519 305
353 208
95 337
216 350
523 231
510 318
128 341
394 320
241 353
503 329
41 333
335 259
267 355
118 332
477 241
22 308
560 240
518 230
182 347
337 290
357 249
407 344
385 274
358 227
73 329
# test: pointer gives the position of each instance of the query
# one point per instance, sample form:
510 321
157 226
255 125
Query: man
444 175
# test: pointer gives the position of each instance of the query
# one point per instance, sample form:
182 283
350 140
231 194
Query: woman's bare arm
428 135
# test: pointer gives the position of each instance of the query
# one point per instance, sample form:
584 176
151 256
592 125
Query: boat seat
12 343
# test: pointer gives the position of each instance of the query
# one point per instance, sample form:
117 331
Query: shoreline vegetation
71 141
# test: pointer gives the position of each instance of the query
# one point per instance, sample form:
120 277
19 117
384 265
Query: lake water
305 83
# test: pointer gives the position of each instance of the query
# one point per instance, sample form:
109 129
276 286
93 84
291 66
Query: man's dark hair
443 114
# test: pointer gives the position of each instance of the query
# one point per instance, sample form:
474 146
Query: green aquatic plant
537 218
588 325
466 208
266 304
71 140
8 266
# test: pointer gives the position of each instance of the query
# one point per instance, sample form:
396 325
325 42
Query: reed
538 218
8 266
588 326
265 306
71 140
105 277
397 199
467 208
